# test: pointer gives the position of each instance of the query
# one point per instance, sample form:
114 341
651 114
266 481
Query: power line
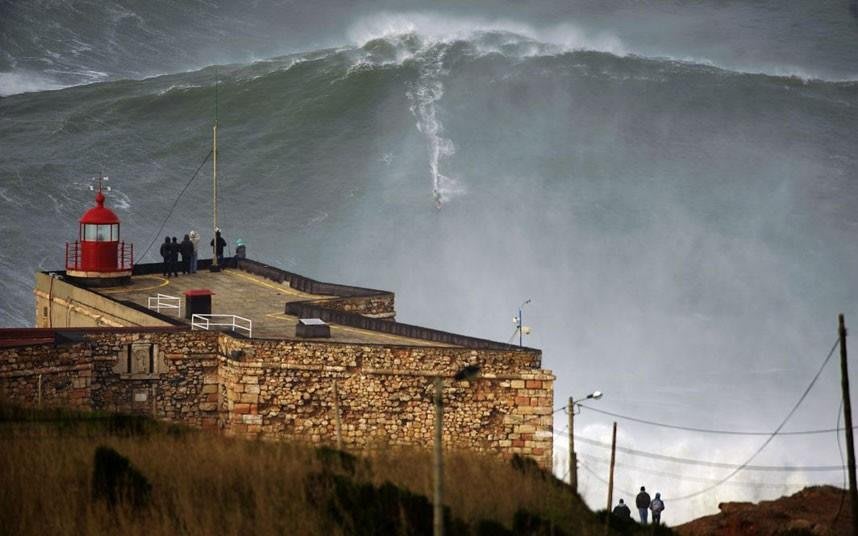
605 482
709 430
743 466
176 202
840 450
705 463
687 478
772 436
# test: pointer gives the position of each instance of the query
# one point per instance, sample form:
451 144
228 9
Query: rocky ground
817 510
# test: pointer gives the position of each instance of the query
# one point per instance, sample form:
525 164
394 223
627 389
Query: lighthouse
98 257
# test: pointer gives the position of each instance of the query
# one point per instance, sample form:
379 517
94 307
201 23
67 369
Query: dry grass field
203 484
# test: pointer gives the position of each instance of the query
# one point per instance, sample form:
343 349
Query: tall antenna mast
215 267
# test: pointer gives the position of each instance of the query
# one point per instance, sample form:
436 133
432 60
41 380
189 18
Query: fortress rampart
285 389
105 349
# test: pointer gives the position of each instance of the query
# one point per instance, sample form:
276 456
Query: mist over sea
673 185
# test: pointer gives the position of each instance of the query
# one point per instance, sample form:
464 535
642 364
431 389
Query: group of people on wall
184 255
645 505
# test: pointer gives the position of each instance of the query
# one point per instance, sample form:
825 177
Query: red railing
124 258
73 255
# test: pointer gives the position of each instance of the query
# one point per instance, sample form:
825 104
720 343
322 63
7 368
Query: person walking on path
174 257
166 248
195 240
186 248
218 239
657 506
642 501
622 511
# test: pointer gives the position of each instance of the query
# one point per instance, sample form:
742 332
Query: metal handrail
124 256
165 301
204 321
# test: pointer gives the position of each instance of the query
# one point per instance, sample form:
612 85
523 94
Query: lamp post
573 459
468 373
518 323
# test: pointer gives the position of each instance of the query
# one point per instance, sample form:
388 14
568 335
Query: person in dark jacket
221 243
174 257
622 511
642 502
186 248
166 247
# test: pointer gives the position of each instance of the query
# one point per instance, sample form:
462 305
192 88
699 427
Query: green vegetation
164 479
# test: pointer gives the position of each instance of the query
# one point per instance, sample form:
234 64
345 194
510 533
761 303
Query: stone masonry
285 388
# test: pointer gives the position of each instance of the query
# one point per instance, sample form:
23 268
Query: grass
203 484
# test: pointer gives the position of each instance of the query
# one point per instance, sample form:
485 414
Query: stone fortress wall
285 389
278 388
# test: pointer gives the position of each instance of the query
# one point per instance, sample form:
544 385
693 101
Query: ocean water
681 211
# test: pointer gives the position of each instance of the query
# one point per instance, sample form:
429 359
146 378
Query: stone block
251 389
249 398
533 384
210 388
251 419
517 384
208 406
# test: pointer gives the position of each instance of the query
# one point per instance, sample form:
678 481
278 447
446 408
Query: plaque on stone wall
138 359
142 358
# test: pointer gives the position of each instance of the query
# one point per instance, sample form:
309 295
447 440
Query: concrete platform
262 300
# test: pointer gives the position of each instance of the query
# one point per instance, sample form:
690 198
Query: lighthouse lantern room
98 257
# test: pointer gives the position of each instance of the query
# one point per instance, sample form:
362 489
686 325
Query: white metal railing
232 321
165 301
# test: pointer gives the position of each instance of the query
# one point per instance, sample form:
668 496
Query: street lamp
467 373
573 459
519 327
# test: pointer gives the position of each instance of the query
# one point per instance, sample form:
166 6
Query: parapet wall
285 389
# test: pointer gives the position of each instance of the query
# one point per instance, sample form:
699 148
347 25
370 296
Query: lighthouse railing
73 255
234 322
126 256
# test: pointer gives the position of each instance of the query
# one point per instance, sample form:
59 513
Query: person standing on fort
657 506
195 240
166 248
642 501
174 257
622 511
218 239
186 248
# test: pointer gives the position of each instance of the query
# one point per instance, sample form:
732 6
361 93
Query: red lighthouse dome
98 257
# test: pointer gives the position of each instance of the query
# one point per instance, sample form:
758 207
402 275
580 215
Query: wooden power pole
847 417
438 465
573 458
613 459
337 419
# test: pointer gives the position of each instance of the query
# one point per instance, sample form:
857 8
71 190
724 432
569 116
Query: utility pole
215 267
573 458
438 465
613 459
611 481
337 420
847 417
